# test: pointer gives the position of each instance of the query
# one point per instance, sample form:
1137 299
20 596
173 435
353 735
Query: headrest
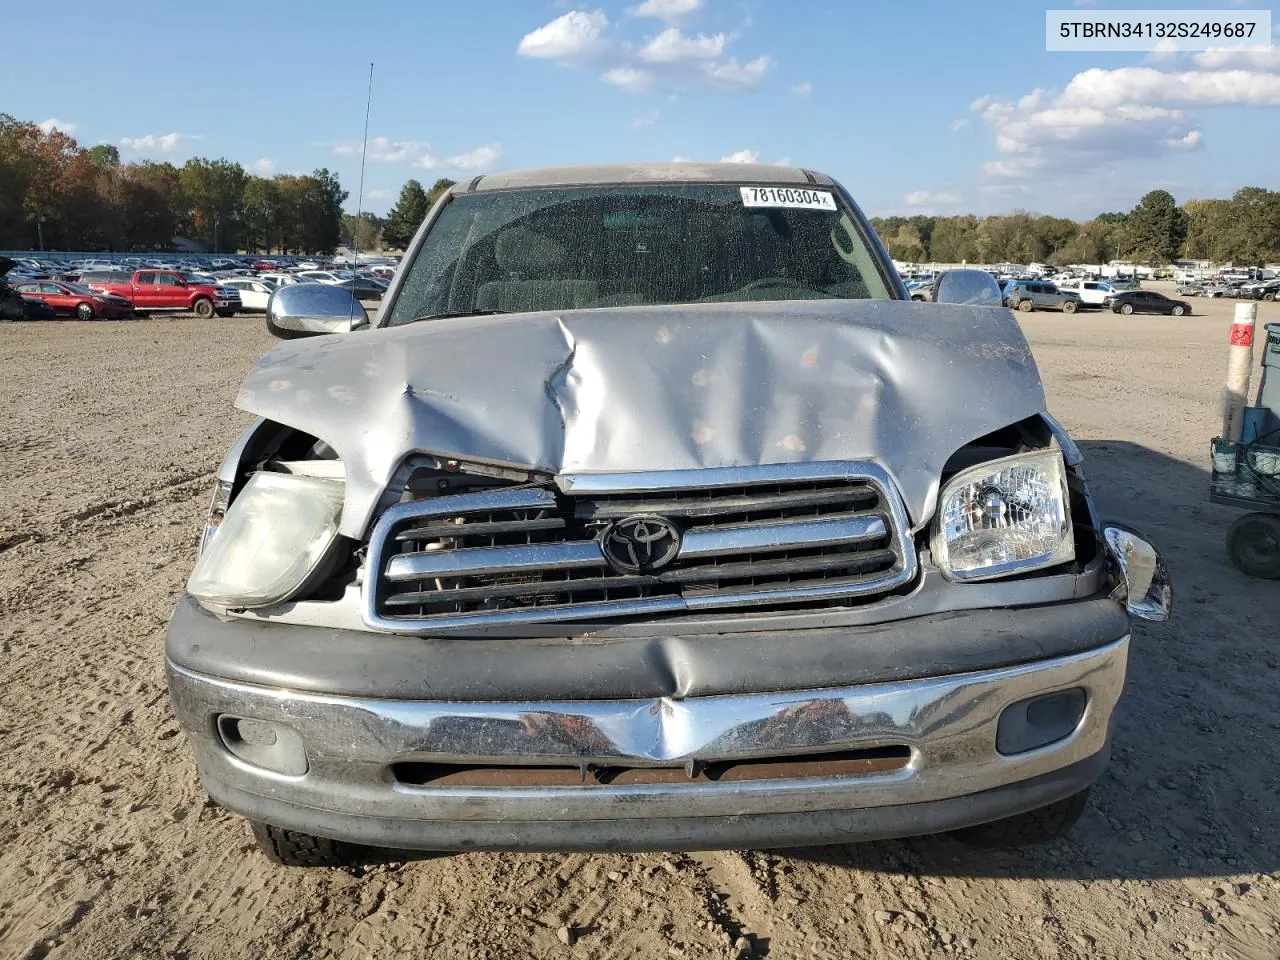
525 252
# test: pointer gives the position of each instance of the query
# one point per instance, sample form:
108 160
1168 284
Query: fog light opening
262 743
1040 721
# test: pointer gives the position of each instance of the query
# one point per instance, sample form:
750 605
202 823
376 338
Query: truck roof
641 173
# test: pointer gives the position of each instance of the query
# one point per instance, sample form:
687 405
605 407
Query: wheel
1178 310
84 311
1268 296
1126 308
1026 306
1254 544
1035 826
203 308
292 848
1070 307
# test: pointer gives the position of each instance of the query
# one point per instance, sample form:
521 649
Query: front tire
1026 306
84 311
1126 308
1035 826
1070 307
1178 311
292 848
203 308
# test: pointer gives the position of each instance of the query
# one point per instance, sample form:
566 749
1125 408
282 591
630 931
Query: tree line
1244 230
55 194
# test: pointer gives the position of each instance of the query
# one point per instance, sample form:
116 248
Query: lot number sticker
787 197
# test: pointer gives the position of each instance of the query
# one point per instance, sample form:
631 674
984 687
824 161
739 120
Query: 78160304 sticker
793 197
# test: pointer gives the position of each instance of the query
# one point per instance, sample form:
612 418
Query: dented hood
658 388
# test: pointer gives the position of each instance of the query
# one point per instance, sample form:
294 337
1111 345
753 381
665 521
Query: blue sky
935 107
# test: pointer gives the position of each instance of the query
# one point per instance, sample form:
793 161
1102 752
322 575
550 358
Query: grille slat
533 555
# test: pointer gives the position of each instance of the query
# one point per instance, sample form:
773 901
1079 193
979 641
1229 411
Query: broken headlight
272 539
1004 516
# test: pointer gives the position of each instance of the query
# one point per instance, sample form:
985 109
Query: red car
73 299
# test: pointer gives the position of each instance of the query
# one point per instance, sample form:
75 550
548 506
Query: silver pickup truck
651 514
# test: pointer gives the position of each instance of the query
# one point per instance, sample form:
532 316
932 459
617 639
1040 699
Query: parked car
1148 301
1218 288
1193 288
1027 295
13 305
326 276
254 293
1263 290
502 572
283 279
1092 293
365 288
167 290
77 300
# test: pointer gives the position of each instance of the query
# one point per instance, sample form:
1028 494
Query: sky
928 107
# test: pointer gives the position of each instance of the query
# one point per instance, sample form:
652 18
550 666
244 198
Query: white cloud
379 194
571 37
383 149
263 167
53 123
668 11
631 79
669 62
730 76
672 46
802 89
164 142
1105 116
742 156
959 124
477 159
928 198
641 123
681 160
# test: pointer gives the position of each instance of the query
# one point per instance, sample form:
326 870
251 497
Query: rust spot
809 359
702 433
663 336
793 443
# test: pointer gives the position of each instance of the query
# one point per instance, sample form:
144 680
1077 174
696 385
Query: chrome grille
786 535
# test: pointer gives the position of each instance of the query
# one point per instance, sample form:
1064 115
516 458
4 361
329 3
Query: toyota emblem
642 544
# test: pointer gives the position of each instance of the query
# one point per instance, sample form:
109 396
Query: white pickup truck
1096 293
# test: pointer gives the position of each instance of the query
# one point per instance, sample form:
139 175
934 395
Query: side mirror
1147 592
310 309
975 288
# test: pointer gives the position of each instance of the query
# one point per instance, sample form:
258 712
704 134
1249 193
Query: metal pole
40 231
355 234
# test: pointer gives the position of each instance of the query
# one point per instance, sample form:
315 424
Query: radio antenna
364 149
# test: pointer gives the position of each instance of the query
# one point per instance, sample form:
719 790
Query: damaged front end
571 491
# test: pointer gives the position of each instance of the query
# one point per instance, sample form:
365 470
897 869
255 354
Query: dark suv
1028 295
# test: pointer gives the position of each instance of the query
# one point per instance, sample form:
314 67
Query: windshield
80 289
569 248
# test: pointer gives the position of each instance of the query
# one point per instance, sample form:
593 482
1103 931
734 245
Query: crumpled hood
658 388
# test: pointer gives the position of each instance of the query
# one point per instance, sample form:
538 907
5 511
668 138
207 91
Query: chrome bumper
948 723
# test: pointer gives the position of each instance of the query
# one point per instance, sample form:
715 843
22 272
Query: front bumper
947 724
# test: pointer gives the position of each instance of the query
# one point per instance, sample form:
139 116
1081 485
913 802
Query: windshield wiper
458 313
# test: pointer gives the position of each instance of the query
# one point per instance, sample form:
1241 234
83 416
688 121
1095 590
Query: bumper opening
847 763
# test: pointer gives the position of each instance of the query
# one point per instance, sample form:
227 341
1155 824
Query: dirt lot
110 436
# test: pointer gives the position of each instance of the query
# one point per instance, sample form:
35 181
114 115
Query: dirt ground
110 436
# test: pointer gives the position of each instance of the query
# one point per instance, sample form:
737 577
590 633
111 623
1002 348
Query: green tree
262 214
406 216
104 155
215 189
1156 228
437 190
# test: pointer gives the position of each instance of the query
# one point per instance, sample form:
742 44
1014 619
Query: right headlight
1005 516
273 537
